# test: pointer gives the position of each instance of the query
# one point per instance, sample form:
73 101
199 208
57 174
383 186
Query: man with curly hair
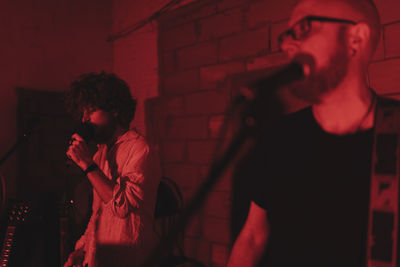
120 230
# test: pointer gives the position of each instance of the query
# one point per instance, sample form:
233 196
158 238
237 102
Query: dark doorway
58 194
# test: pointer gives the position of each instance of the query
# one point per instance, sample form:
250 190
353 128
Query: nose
290 47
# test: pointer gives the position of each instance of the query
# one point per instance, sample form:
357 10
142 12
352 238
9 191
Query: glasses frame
303 35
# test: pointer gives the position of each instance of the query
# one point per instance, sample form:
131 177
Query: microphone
301 67
86 131
257 102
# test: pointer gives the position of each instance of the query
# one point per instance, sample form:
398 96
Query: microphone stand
217 169
33 123
20 140
252 115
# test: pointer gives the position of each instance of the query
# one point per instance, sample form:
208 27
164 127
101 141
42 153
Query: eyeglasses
302 28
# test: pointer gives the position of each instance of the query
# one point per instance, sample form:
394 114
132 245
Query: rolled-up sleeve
128 192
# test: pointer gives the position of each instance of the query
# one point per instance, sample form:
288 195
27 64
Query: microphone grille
86 131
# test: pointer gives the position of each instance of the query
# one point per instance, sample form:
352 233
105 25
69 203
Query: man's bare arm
252 240
103 186
80 154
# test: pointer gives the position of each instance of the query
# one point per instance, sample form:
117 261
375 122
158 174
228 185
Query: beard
327 79
104 133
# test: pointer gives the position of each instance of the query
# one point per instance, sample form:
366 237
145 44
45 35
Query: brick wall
135 57
384 70
201 45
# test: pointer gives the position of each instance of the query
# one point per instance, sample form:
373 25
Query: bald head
356 10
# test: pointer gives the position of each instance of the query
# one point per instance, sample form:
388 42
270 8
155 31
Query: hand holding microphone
78 150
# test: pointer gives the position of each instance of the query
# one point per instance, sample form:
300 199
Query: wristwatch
91 168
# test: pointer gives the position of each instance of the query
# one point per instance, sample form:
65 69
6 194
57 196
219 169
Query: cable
143 22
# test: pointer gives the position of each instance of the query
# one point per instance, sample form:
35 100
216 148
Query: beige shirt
121 232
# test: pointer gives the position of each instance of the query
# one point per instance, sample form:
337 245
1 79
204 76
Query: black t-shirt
315 189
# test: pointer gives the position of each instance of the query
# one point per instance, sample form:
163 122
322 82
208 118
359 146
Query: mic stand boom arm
20 140
216 170
252 116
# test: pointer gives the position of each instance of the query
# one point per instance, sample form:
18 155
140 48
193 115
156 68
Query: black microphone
257 104
301 67
86 131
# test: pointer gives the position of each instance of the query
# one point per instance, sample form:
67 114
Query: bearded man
120 230
311 171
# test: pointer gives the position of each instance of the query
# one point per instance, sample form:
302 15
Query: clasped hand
79 152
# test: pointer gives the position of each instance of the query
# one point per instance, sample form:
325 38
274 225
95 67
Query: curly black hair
105 91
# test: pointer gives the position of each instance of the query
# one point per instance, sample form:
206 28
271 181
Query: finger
67 263
72 158
75 153
77 137
69 155
80 149
75 149
72 151
77 142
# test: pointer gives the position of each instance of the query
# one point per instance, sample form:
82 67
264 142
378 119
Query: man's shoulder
133 139
135 136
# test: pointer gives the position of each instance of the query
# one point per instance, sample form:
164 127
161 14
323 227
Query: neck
347 109
119 131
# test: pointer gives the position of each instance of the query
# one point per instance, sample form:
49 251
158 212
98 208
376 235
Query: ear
358 37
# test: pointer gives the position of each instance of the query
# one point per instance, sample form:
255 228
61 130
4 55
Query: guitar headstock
18 214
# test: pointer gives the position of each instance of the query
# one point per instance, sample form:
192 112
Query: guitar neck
8 241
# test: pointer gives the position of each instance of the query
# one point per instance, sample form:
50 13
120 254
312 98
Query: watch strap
90 168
